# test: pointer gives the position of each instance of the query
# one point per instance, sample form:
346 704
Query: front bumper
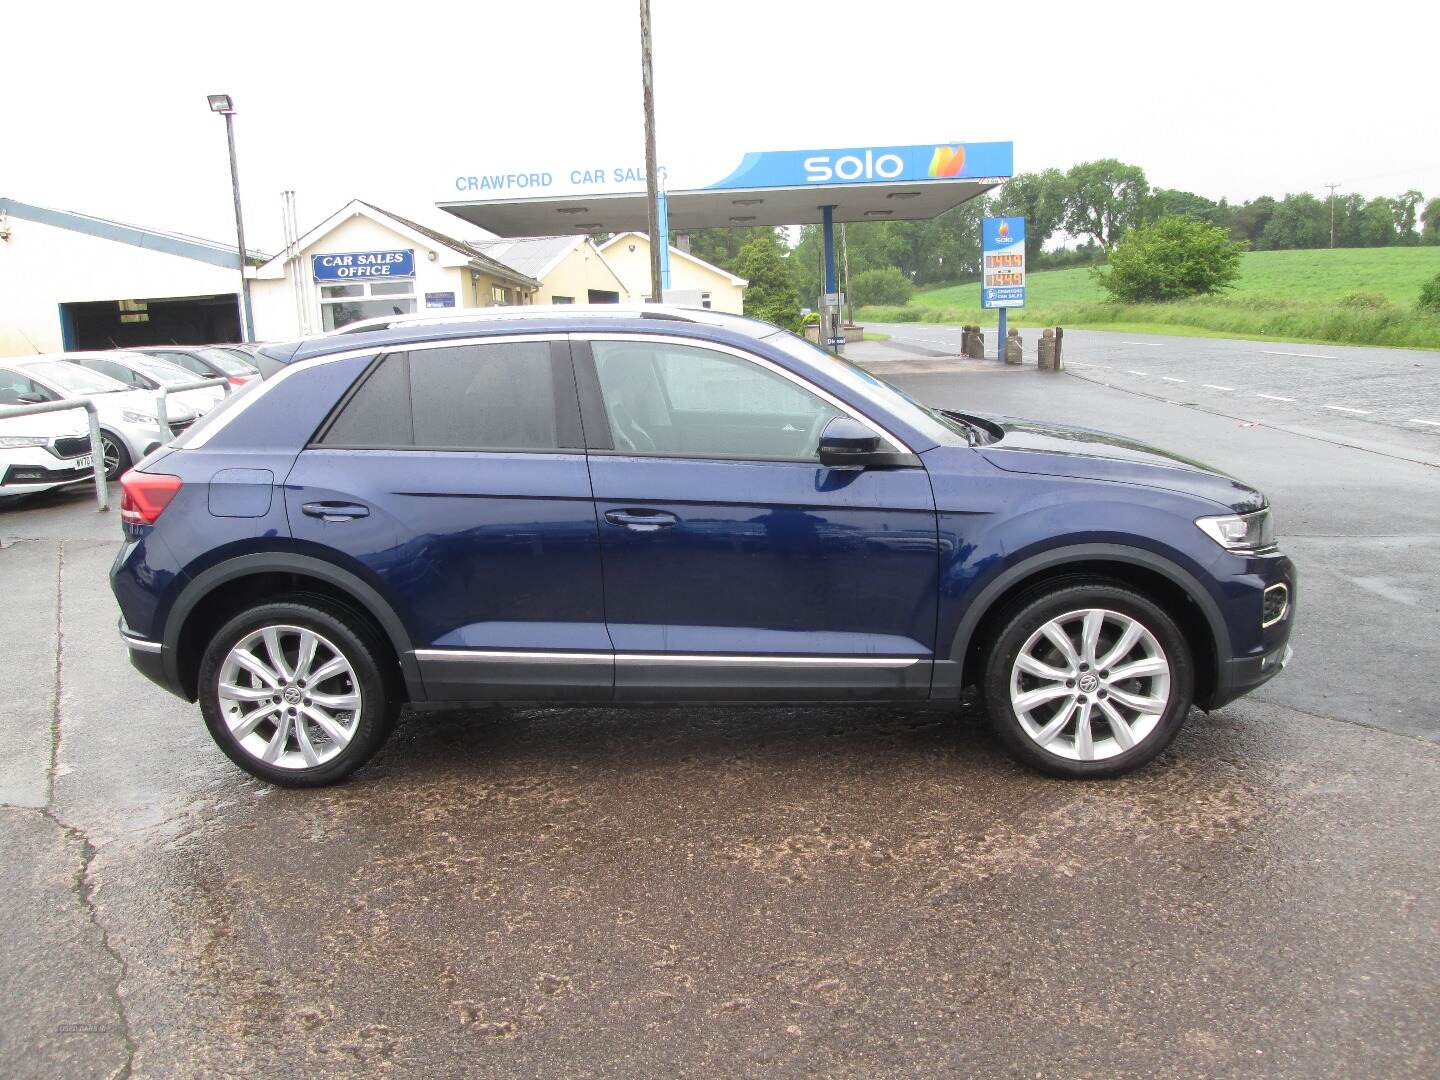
1243 674
1260 634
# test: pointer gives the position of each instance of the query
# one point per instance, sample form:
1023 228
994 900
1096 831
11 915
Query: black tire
1033 611
349 636
110 441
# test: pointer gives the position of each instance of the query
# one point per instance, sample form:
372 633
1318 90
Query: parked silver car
129 422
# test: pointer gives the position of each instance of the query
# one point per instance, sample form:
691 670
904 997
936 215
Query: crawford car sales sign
355 265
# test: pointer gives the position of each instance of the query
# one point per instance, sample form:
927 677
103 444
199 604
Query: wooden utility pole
652 180
1332 188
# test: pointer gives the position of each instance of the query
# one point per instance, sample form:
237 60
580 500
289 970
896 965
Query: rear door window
502 396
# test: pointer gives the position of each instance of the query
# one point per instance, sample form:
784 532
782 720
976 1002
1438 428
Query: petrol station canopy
778 187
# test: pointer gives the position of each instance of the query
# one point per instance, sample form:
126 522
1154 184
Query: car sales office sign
1003 248
363 265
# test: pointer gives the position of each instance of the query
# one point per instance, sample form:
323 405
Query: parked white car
42 452
141 371
129 425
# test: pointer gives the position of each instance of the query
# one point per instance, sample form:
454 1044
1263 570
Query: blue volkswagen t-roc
656 504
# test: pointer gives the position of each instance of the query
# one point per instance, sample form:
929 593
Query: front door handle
641 520
335 511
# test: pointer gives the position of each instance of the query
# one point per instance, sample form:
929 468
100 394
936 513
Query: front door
736 566
454 480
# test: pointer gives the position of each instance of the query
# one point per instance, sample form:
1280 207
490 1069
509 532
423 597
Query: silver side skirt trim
508 655
502 656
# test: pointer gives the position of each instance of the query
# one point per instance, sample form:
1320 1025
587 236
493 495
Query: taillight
237 380
144 496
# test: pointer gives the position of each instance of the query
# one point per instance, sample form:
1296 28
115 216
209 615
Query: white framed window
341 305
705 299
499 294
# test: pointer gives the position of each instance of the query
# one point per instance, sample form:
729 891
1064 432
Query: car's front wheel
294 692
1088 679
117 457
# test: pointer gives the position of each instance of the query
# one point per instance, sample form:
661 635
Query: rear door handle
641 520
335 511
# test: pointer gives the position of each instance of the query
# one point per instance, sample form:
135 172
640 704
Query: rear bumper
147 657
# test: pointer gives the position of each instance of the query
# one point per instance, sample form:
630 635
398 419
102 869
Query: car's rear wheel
294 692
1088 679
117 457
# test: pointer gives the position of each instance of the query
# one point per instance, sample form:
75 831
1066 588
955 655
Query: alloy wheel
1090 684
111 456
289 697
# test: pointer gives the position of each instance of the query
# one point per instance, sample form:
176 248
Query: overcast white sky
104 104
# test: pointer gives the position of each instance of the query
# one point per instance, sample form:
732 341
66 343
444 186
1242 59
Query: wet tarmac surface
716 891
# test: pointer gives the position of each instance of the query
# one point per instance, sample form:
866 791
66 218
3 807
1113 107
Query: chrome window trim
349 354
784 372
522 656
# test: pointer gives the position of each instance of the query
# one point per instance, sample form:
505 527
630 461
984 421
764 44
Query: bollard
1014 348
1059 350
1047 350
977 344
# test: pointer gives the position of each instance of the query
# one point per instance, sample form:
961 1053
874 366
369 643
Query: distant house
692 281
570 269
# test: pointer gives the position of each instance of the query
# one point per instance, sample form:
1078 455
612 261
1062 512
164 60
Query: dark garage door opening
120 324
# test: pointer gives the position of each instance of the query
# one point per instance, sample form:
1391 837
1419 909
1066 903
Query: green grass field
1345 296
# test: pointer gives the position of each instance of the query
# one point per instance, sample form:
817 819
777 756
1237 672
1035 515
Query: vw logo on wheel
1089 683
292 695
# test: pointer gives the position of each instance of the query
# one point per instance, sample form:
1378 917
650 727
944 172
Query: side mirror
846 441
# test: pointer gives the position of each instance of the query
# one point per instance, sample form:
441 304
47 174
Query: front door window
663 398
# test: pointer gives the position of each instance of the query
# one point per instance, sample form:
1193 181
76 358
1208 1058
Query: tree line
1094 203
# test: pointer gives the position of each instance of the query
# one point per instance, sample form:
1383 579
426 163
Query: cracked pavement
703 891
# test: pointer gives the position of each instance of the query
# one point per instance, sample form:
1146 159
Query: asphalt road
710 891
1386 400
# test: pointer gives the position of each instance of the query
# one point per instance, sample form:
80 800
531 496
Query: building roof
473 256
532 255
169 243
478 259
676 253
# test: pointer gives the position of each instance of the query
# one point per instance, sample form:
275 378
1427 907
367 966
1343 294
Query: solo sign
1003 252
359 265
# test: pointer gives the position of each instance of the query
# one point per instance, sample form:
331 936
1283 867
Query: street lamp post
225 105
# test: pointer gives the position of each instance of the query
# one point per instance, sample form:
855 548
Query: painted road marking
1171 378
1345 408
1432 423
1273 397
1306 355
1144 343
1137 372
1216 386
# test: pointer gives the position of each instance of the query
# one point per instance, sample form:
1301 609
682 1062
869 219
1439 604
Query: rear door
454 478
736 565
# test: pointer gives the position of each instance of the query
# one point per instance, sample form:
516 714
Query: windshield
920 417
162 371
227 363
74 379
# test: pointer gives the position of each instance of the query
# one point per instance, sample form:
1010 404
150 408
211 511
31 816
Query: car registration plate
84 461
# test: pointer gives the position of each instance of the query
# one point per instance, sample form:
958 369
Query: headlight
1245 533
16 441
148 419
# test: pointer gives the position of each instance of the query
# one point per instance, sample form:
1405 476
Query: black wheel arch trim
981 605
362 594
